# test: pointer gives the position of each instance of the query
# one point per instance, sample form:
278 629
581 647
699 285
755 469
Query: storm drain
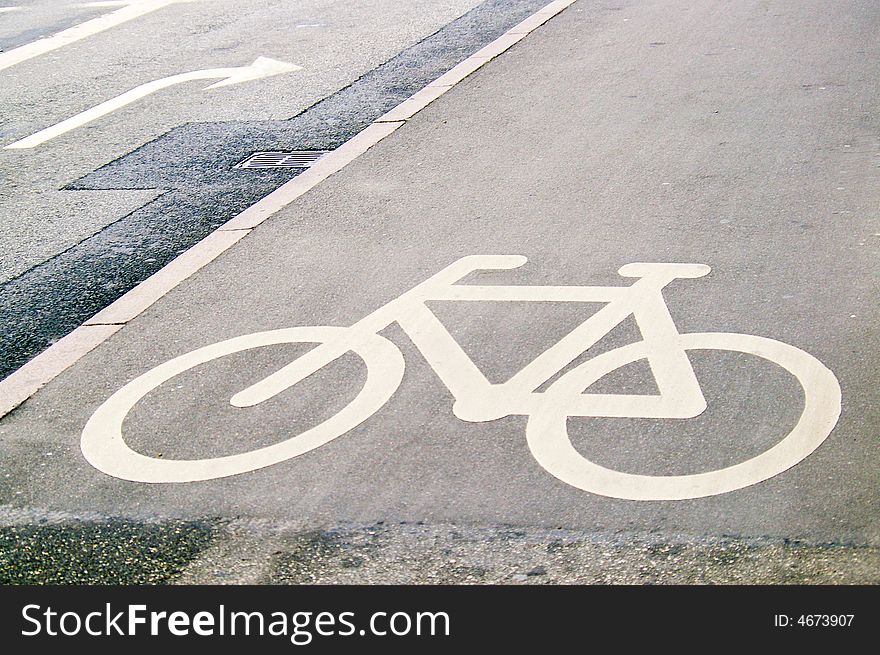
290 159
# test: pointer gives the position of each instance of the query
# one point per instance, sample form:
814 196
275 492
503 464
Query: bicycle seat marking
476 399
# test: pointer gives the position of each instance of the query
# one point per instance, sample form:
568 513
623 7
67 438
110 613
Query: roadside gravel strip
450 554
65 550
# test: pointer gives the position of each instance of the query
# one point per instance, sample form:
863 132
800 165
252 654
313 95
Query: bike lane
639 134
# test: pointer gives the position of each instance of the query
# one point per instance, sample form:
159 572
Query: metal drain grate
292 159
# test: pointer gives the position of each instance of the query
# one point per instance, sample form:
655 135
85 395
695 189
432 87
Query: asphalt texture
742 136
334 42
181 185
99 552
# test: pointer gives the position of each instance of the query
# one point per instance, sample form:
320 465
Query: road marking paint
262 67
479 400
384 365
20 386
549 443
31 377
162 281
131 10
414 104
322 169
3 10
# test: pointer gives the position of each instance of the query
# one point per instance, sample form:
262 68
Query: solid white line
320 171
414 104
34 375
165 279
21 384
132 10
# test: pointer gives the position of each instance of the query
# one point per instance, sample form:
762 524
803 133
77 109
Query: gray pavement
742 136
333 44
92 212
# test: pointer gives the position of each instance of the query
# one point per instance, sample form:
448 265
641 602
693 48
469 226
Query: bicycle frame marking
476 399
479 400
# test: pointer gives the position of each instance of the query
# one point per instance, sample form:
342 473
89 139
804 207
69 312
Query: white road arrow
262 67
131 9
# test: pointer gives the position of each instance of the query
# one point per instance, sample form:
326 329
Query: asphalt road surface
92 211
738 136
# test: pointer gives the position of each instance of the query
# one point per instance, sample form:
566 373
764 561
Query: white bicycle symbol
476 399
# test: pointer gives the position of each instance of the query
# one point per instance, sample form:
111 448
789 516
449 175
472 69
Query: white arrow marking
132 9
262 67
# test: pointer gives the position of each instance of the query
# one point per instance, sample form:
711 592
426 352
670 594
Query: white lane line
131 10
27 380
162 281
34 375
3 10
325 167
262 67
31 377
414 104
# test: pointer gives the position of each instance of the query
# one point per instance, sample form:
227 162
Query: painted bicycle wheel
104 447
549 442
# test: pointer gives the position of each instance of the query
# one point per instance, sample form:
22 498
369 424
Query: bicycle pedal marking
476 399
